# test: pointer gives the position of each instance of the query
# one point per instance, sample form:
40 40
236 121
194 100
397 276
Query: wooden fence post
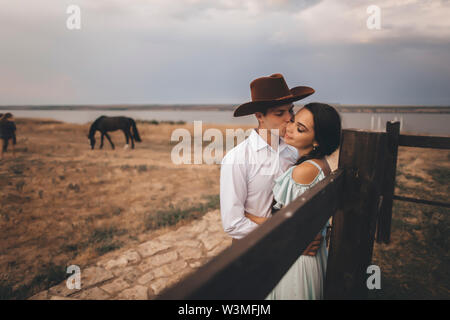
385 215
362 158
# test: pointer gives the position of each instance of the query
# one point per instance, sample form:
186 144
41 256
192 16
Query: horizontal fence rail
429 202
434 142
251 268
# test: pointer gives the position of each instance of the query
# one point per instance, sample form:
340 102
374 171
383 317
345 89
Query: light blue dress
305 279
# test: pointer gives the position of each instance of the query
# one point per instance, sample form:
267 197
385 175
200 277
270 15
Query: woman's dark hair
327 130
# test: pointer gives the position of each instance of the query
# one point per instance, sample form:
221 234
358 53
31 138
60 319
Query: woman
315 132
7 131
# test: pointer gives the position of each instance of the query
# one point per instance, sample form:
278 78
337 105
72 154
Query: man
248 170
7 132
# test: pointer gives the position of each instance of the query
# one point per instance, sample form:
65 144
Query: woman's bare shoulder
305 173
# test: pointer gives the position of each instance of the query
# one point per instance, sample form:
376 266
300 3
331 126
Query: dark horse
104 124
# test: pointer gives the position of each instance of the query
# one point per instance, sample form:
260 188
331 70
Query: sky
208 51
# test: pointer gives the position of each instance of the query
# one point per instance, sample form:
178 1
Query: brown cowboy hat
271 91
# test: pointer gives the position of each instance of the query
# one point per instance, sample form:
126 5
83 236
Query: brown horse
105 124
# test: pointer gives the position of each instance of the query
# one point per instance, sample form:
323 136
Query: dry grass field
63 203
416 264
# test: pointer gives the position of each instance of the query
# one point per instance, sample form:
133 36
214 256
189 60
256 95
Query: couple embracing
253 186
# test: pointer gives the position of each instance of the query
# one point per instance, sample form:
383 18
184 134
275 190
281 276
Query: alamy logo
374 20
73 22
213 153
374 281
74 281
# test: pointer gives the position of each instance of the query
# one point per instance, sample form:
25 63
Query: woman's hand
255 219
313 247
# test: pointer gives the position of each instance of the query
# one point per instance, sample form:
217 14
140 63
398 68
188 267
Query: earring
315 148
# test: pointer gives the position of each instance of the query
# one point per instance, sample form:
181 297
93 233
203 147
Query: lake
420 123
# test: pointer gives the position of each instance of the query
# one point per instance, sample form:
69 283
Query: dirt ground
63 203
416 263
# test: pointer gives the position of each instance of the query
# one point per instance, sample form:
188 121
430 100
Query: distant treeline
228 107
161 122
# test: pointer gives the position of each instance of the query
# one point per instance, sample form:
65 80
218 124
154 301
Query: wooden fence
395 139
358 195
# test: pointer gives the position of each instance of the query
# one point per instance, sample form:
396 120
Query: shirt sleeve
233 193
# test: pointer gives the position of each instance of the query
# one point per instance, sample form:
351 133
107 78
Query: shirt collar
258 143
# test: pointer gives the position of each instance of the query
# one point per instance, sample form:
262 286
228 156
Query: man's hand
255 219
313 247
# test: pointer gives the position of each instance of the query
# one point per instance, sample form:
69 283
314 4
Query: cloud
345 21
203 51
187 9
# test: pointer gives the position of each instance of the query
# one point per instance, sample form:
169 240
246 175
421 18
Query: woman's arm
255 219
313 247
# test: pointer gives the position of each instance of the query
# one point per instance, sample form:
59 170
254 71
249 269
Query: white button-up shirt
247 177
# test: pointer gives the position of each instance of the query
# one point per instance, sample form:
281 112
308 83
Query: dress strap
314 163
325 167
